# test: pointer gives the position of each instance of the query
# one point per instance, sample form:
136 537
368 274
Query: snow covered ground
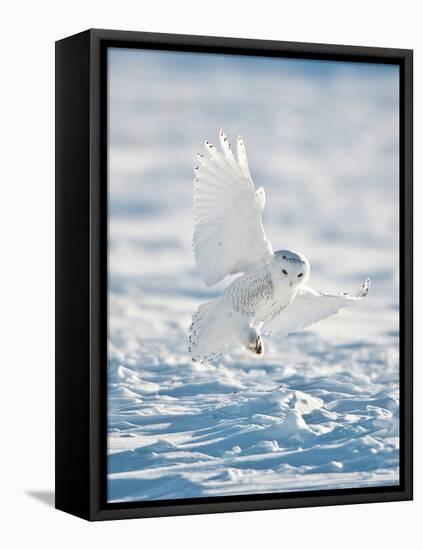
320 410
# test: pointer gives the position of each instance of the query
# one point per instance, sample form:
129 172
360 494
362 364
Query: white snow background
320 409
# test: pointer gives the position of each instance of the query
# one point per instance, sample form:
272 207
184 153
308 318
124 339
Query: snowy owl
270 296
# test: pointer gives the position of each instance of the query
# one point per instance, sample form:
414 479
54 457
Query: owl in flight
271 295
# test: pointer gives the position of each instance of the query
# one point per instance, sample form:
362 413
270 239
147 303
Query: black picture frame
81 273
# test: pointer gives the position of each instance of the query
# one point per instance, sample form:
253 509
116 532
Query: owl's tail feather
212 331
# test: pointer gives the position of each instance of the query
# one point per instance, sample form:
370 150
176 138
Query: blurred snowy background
320 410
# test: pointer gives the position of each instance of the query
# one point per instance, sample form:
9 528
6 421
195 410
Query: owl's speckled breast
255 295
248 294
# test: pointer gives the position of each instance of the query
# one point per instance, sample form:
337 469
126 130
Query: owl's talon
256 344
259 346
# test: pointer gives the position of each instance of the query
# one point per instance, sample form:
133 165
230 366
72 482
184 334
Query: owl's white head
292 268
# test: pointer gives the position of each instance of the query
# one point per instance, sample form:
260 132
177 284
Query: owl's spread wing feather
308 307
228 232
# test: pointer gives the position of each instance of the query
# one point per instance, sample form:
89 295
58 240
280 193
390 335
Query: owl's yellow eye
284 271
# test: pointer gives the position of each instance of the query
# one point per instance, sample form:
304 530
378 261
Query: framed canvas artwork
233 274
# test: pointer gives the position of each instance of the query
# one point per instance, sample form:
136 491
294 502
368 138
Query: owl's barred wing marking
308 307
228 232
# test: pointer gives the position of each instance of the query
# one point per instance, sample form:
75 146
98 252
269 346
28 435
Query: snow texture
320 410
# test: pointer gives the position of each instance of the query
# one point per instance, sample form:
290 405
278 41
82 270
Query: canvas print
253 275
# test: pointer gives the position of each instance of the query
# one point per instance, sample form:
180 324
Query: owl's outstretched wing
308 307
228 232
